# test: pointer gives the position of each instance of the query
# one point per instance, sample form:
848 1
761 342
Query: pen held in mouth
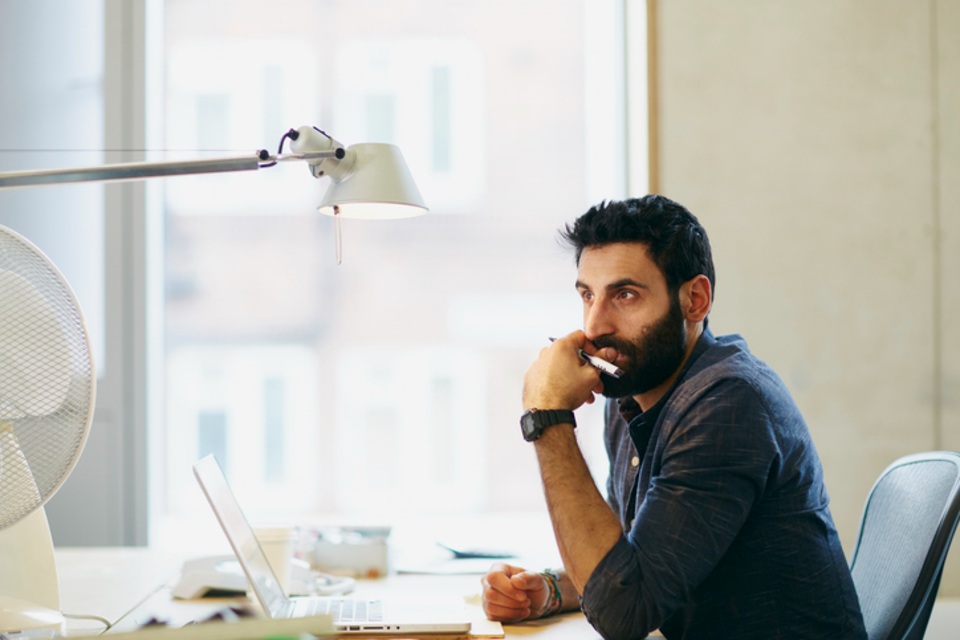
602 365
608 368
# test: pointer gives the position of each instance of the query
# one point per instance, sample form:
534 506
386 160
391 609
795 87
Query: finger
503 567
527 581
495 597
505 614
501 601
500 587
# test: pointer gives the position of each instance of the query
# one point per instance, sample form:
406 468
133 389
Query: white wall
818 143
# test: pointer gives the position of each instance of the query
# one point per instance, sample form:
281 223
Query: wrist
554 602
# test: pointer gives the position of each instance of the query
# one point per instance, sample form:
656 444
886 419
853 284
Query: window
389 383
412 431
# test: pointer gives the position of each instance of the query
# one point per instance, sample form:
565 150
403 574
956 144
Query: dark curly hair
673 236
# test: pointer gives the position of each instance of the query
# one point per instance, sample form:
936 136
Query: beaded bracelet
556 600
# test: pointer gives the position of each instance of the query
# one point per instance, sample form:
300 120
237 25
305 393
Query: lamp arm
140 170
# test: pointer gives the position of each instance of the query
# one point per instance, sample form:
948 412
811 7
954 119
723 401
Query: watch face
534 421
529 427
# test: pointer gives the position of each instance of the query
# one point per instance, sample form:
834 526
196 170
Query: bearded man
716 522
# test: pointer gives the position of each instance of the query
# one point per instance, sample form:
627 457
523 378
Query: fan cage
37 452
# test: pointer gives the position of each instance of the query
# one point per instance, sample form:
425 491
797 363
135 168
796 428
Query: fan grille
46 379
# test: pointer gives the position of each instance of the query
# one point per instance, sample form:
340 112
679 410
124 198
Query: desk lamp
369 180
47 380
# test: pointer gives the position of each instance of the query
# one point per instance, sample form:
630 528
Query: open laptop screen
240 534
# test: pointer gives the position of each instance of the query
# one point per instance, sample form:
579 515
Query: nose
597 319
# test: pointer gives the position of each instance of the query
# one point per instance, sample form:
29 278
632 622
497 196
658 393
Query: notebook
350 615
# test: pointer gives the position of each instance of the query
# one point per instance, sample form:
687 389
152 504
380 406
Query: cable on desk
75 616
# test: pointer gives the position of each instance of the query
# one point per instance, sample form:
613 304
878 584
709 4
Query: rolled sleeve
614 601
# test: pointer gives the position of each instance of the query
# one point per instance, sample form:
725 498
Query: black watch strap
534 421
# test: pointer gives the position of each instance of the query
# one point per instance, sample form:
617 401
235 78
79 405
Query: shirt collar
630 409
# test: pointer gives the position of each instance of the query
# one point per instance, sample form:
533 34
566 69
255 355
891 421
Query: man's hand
560 379
512 594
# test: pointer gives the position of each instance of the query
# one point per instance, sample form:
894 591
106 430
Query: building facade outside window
388 384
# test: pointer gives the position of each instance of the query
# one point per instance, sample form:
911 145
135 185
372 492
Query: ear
696 298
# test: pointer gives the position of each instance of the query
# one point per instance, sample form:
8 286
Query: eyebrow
617 284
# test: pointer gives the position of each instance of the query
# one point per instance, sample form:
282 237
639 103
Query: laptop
350 615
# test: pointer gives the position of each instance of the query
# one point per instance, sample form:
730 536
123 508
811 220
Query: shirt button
635 461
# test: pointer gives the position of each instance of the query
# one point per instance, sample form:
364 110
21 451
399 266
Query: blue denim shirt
727 530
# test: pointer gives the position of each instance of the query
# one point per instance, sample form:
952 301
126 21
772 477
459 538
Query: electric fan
47 389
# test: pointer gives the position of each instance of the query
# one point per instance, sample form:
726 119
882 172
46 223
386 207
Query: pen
608 368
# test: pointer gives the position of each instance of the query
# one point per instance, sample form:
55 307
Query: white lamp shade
379 186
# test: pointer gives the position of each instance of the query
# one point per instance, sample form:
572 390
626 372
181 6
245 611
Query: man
716 523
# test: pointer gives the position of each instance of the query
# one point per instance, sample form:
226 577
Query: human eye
586 295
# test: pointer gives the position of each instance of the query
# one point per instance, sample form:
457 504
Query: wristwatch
534 421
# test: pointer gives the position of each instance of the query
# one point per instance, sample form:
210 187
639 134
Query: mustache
622 346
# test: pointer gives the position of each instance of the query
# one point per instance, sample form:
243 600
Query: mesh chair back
907 525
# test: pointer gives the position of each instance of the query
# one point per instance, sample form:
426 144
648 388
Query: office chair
907 525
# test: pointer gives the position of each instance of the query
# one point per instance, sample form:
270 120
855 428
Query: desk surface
127 586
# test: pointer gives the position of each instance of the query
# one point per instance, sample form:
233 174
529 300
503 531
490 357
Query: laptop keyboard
343 609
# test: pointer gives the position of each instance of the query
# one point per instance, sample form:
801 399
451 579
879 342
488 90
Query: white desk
129 585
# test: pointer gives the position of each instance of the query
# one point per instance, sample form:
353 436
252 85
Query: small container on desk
358 552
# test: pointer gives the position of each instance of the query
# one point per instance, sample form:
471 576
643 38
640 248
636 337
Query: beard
649 360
